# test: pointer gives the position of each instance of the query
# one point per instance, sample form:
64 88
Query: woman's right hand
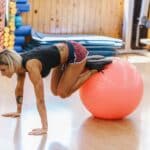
12 114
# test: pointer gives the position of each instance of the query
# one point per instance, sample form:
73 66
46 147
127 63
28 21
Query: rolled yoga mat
24 7
18 48
21 1
18 21
23 31
19 40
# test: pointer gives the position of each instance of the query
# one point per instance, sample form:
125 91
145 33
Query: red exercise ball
113 93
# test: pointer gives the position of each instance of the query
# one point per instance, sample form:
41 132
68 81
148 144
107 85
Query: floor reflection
57 146
42 144
20 143
97 134
18 135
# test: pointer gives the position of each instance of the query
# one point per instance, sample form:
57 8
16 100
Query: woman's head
9 62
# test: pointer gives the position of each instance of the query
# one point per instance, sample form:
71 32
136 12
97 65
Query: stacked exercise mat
96 45
22 31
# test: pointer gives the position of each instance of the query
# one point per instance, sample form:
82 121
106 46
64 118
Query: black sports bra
49 56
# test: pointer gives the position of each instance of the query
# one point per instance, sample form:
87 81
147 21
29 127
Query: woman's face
5 71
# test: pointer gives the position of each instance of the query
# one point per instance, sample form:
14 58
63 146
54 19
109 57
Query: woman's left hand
39 131
12 114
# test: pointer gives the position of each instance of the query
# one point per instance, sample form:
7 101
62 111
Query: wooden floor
70 126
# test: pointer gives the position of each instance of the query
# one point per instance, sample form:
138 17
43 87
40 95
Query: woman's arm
34 68
19 96
19 91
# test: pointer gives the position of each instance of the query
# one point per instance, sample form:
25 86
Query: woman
69 60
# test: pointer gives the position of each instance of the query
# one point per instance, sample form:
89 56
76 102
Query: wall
102 17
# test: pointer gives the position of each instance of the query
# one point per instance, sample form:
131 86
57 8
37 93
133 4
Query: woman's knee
62 93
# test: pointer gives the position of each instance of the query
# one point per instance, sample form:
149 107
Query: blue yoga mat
100 45
19 40
18 21
79 37
94 48
18 48
85 40
23 7
21 1
103 53
33 44
23 31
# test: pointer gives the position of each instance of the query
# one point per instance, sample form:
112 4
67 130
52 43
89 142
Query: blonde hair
10 58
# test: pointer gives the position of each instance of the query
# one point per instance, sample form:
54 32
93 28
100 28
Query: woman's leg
56 75
81 79
73 78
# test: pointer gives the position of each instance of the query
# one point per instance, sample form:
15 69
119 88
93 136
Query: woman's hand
12 114
39 131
